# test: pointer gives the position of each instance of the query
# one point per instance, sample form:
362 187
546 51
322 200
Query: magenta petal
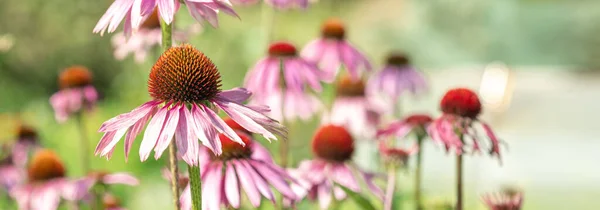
147 7
211 187
232 188
261 184
185 137
246 182
238 95
495 142
274 179
153 131
221 126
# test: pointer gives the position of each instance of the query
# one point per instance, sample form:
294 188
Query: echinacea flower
281 81
82 188
395 79
333 147
135 11
185 87
249 168
396 155
46 183
331 51
26 142
10 174
148 36
459 125
76 93
353 109
415 123
503 201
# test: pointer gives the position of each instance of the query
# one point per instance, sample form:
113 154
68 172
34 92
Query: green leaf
363 202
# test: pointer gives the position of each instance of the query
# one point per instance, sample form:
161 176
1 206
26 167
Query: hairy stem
167 35
174 169
195 187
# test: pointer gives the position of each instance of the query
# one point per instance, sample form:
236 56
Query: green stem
268 22
174 169
167 33
459 182
195 187
85 147
390 188
419 174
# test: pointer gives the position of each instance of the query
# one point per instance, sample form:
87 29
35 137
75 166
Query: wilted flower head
185 87
333 147
76 92
459 124
46 182
136 11
331 51
353 109
503 201
146 38
396 78
249 168
416 123
396 155
283 80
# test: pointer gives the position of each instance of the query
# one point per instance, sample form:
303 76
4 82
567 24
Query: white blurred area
547 116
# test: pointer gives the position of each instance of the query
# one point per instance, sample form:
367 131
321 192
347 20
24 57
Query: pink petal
247 184
324 195
120 178
128 119
261 184
166 135
260 153
238 95
185 200
108 141
184 135
274 179
343 176
153 131
147 7
135 130
166 8
232 188
211 188
252 120
221 126
119 14
205 130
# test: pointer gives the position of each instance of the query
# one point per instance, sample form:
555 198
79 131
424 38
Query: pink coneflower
26 142
333 147
415 123
81 189
249 167
458 126
395 79
281 81
331 51
46 183
76 92
396 155
503 201
353 109
185 87
148 36
10 174
135 11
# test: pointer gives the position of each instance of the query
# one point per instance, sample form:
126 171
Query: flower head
415 123
82 189
76 92
247 168
353 109
459 125
331 51
395 79
186 89
46 182
318 178
503 201
283 81
136 11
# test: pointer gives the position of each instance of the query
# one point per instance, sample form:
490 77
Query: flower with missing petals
503 201
46 183
333 147
416 123
146 38
76 93
395 79
283 80
459 125
331 51
136 11
353 109
186 89
239 168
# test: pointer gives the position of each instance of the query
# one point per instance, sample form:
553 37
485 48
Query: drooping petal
260 183
152 133
220 125
135 130
252 120
232 188
237 95
211 187
120 178
343 176
247 184
274 179
324 195
166 135
128 119
166 9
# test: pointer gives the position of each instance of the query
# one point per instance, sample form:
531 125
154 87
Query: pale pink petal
343 176
152 133
260 183
260 153
252 120
211 187
166 135
147 7
134 131
232 188
238 95
119 14
166 10
247 184
185 200
120 178
221 126
274 179
128 119
324 195
185 133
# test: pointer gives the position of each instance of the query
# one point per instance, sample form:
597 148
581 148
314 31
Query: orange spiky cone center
184 74
333 143
347 87
234 150
397 59
152 22
333 29
45 165
462 102
75 76
282 49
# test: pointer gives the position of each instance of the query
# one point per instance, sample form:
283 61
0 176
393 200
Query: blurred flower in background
279 4
6 42
331 51
10 174
111 202
26 142
76 93
249 168
333 147
82 189
184 76
283 81
503 201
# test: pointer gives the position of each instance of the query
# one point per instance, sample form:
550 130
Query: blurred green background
441 36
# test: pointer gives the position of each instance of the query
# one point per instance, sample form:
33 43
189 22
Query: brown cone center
333 143
347 87
45 165
75 76
152 22
333 29
282 49
397 59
